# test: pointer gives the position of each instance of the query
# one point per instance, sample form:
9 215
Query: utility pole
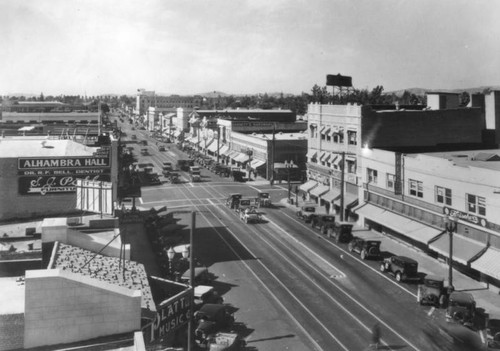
272 152
191 282
218 143
342 180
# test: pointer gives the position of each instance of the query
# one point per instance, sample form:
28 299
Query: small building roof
13 147
128 274
488 159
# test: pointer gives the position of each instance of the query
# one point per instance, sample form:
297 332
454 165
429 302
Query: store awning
233 154
412 229
312 153
241 157
334 131
323 154
224 150
464 249
331 195
256 163
327 157
322 131
337 161
349 200
26 129
319 190
212 147
488 263
307 186
209 142
327 131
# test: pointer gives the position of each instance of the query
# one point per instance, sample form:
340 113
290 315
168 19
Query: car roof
406 259
211 309
201 290
461 296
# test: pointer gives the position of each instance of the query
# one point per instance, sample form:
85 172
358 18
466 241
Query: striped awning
405 226
464 249
307 186
212 147
319 190
488 263
257 163
224 150
331 195
241 157
311 153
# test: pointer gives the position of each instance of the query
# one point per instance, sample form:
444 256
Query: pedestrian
304 196
375 336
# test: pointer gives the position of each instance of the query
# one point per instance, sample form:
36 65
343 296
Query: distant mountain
423 91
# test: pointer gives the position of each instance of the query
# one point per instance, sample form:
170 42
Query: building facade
412 195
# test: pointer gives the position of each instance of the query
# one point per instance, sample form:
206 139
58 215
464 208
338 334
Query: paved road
294 288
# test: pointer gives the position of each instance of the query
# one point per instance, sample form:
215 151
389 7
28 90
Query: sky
96 47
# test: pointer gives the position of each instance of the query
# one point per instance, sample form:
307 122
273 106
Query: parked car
307 212
461 308
341 231
206 294
402 267
323 222
201 276
365 248
493 331
144 152
211 319
162 148
432 291
225 342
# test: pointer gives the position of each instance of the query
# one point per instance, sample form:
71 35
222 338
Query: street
293 288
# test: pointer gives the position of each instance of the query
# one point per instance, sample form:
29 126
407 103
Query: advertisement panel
53 184
94 196
171 315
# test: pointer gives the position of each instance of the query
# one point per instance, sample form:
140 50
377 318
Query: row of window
337 138
474 204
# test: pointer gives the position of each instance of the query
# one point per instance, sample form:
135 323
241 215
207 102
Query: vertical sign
398 168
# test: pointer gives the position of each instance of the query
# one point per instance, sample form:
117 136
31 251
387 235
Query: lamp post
170 255
205 137
451 227
191 282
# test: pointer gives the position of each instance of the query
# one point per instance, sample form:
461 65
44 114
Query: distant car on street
307 212
402 267
365 248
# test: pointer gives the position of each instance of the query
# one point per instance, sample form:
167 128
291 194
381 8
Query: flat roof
129 274
488 158
41 146
277 136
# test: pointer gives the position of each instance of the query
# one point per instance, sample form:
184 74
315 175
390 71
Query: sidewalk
488 299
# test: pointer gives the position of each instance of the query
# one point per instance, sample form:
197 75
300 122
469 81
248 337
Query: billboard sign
338 80
53 184
171 315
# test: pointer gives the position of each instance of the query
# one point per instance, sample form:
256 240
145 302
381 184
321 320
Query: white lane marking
287 311
319 260
355 258
350 298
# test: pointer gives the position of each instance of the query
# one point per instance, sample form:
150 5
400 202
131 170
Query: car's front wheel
363 254
350 247
399 276
382 267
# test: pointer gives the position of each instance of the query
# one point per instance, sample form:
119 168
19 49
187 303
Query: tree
464 99
319 94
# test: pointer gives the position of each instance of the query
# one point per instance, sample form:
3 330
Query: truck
184 164
194 172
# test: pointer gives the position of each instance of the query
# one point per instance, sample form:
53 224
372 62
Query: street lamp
170 255
451 227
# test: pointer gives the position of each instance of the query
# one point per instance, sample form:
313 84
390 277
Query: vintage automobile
366 248
450 337
493 331
206 294
233 200
162 148
201 276
238 175
222 170
144 152
341 231
461 308
250 215
173 177
432 291
402 267
211 319
264 199
323 222
184 164
246 203
194 172
307 212
225 342
144 142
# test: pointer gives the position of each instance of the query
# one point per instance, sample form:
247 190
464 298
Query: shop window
390 181
351 166
416 188
443 195
372 175
476 204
